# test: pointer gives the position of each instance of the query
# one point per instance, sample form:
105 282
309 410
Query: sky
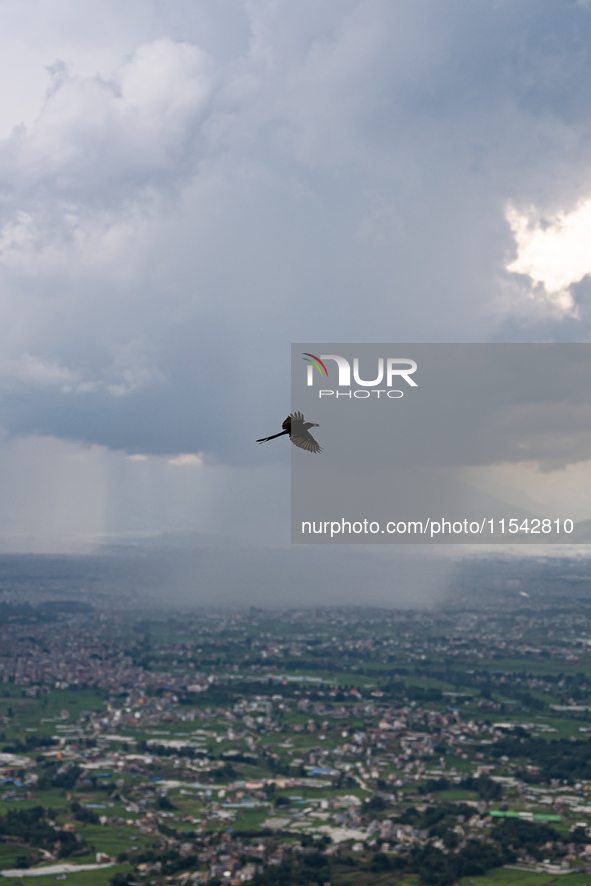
188 187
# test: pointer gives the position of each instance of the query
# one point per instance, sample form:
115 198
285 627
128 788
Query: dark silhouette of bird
297 428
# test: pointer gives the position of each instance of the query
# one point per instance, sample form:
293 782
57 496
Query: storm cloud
229 178
186 188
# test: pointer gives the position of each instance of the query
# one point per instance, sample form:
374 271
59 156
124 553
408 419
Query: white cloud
127 374
187 458
555 252
45 374
99 140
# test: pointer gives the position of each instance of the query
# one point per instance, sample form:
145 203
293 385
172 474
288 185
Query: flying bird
297 428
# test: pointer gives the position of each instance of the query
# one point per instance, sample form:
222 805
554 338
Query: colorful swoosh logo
315 361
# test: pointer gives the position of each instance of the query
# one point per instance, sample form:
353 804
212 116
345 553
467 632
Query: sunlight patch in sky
554 252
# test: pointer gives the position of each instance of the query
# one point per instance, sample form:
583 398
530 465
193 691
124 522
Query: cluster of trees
487 788
434 785
86 816
531 836
562 759
52 778
31 826
313 867
225 773
31 742
433 815
435 868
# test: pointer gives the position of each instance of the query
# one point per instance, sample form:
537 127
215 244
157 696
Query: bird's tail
264 439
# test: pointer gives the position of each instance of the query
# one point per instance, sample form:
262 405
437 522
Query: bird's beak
315 426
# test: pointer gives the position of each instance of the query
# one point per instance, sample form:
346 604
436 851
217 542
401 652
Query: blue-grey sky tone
187 187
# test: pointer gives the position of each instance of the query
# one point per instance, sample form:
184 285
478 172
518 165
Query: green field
82 878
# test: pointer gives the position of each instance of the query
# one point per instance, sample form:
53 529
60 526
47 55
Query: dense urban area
323 746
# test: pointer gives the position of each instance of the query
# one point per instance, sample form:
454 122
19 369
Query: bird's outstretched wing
305 440
292 417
